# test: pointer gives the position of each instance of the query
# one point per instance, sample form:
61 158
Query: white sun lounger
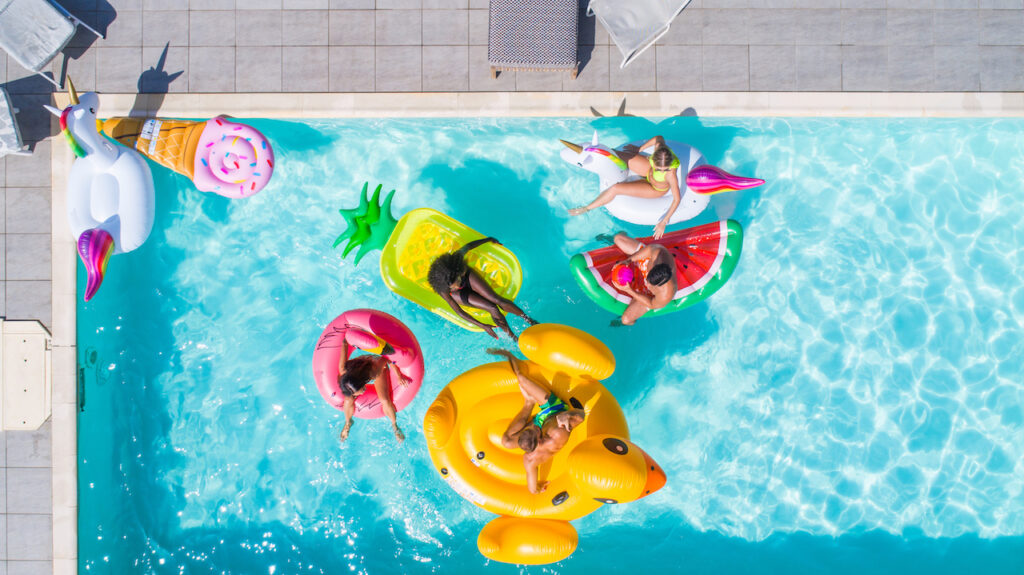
634 25
33 32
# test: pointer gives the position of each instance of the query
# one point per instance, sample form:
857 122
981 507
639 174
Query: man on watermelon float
656 264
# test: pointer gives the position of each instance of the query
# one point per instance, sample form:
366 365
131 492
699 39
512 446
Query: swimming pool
850 400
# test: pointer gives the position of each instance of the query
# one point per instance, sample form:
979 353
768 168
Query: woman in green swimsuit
659 173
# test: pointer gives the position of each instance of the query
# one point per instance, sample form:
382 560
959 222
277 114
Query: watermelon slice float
705 258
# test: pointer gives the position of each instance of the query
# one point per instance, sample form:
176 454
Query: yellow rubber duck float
598 465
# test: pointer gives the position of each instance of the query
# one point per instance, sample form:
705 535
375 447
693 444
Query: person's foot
399 435
530 320
579 211
344 432
616 323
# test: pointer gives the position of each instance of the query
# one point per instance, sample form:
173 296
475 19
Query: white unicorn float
702 180
110 190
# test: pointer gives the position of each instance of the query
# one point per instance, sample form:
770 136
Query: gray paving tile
29 537
208 5
912 69
304 68
264 59
725 4
118 69
726 68
399 4
445 68
29 448
352 28
305 28
351 68
479 4
169 4
27 256
772 27
956 27
445 4
478 21
1001 4
3 67
163 27
956 69
354 4
638 76
1001 27
30 171
686 29
480 74
445 27
29 490
594 72
3 500
3 537
306 4
82 70
27 211
1002 69
3 222
538 81
398 69
955 4
3 301
215 28
125 29
171 77
864 4
911 4
773 68
864 27
259 5
259 28
910 27
725 26
29 567
818 27
122 5
28 300
679 68
211 69
398 27
865 68
819 68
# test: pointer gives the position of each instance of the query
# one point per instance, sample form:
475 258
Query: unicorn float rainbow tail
95 247
708 179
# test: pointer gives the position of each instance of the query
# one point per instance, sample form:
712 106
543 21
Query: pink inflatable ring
374 331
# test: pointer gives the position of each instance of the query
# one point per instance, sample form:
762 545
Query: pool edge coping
389 104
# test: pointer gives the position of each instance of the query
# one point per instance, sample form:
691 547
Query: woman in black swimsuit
452 279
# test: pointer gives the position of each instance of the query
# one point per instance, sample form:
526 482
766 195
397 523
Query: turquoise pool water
850 402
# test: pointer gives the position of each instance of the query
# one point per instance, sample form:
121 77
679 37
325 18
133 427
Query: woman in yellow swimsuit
659 173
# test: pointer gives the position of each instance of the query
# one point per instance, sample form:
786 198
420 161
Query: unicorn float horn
95 247
574 147
708 179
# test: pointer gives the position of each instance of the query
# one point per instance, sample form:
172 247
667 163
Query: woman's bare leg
478 301
637 188
626 244
483 288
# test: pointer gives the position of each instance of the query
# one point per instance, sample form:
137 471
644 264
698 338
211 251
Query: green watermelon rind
593 289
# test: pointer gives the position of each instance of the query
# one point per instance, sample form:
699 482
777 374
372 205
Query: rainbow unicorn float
702 180
220 156
110 195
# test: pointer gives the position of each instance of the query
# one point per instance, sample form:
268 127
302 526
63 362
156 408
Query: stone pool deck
268 47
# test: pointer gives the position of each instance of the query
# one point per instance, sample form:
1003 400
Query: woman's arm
651 142
349 407
673 182
637 296
477 243
344 357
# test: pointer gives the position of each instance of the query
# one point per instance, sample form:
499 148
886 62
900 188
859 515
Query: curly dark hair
659 274
358 372
446 270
